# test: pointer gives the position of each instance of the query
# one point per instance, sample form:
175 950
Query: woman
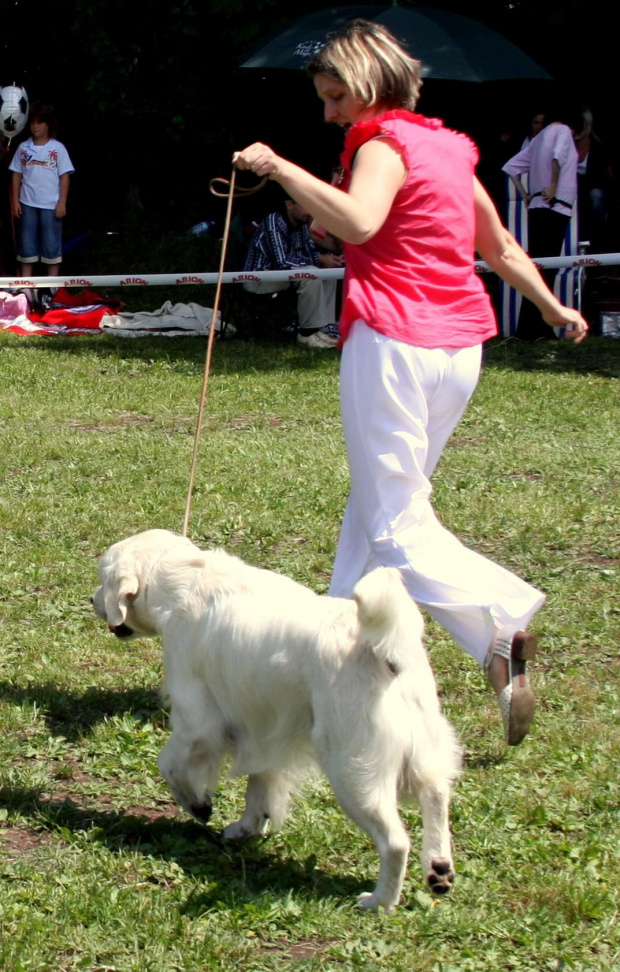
413 321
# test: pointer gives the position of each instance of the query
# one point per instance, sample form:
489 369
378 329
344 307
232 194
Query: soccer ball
13 110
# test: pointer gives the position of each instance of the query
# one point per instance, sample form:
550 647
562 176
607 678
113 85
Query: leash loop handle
239 191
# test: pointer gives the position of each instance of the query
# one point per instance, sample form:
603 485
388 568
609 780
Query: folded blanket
171 320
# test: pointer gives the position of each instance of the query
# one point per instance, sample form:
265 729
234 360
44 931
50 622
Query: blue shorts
40 236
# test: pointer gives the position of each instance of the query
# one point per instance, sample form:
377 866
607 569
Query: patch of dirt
283 544
164 809
300 950
17 841
462 442
107 803
533 476
245 421
70 769
598 561
118 422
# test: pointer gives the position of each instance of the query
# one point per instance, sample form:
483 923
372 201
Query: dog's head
124 573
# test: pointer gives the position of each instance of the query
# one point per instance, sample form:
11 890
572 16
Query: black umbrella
450 46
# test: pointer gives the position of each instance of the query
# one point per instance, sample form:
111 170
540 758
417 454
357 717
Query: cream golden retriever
262 670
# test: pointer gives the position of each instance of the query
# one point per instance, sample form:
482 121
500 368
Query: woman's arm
500 250
354 216
516 181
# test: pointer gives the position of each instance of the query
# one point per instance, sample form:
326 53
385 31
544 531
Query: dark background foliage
152 101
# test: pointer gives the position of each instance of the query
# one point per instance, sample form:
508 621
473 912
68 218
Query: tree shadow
234 871
594 356
237 356
73 715
263 354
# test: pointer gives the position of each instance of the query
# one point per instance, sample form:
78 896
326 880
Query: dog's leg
383 824
190 760
191 768
374 809
266 802
436 857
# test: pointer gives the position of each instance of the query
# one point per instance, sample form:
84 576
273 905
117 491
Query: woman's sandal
516 699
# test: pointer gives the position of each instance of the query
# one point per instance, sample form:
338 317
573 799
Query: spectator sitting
283 242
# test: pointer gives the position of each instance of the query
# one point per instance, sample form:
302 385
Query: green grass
99 869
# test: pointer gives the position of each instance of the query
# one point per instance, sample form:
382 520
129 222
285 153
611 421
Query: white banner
240 276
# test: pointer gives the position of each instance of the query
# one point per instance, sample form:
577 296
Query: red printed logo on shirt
51 162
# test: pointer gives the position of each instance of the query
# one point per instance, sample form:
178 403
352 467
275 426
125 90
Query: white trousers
399 406
316 299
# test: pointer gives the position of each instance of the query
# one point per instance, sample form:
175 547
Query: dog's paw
236 831
368 901
247 827
201 811
441 876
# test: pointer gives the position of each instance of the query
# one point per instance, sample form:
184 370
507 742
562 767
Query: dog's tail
390 621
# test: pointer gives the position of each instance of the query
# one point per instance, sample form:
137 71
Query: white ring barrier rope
240 276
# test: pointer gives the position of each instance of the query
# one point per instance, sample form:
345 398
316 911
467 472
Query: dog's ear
118 593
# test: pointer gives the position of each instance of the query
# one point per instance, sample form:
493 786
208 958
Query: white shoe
505 668
228 331
317 340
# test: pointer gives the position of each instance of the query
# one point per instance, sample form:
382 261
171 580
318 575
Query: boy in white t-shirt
41 170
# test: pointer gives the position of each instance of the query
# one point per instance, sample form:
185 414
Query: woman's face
341 108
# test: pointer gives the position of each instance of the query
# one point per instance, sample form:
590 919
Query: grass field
99 870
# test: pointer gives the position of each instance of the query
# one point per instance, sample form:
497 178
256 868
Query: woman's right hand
258 158
576 327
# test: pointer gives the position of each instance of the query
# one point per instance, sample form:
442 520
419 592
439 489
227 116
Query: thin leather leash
228 194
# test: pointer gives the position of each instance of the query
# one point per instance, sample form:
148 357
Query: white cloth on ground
171 320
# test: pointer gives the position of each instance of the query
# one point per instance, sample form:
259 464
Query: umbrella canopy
450 46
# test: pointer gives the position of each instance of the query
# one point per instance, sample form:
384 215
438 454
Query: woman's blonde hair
372 65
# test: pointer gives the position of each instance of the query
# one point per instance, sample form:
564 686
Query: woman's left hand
258 158
576 327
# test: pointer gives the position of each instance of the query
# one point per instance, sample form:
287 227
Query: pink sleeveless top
415 279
